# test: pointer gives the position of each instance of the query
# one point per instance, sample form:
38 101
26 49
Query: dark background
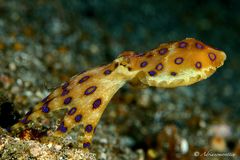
60 38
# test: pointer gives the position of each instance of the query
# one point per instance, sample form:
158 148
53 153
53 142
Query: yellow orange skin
182 63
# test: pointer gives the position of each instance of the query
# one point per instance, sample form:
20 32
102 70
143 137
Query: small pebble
218 144
58 147
152 153
12 66
184 146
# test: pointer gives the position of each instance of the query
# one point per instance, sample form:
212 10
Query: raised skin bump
86 95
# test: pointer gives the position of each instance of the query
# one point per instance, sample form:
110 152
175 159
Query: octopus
86 95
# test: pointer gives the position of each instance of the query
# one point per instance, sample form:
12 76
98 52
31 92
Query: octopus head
177 64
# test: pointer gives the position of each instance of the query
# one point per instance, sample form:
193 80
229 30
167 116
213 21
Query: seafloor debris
13 148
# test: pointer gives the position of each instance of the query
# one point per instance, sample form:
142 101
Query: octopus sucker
85 96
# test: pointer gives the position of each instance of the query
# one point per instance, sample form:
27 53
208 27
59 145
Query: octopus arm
86 96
